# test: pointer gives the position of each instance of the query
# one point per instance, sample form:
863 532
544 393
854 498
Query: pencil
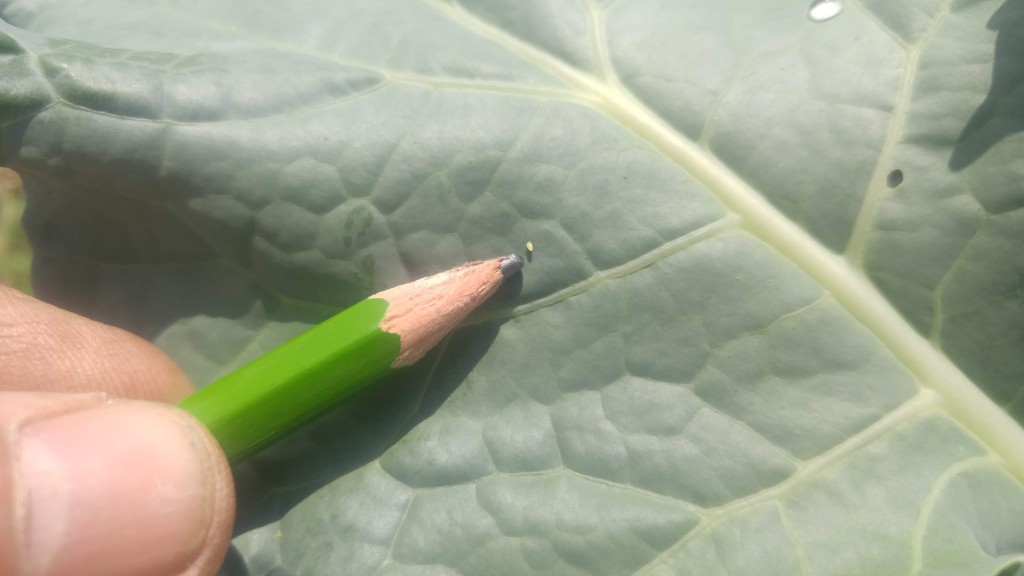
307 375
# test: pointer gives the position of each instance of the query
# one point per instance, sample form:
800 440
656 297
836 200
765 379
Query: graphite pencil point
510 264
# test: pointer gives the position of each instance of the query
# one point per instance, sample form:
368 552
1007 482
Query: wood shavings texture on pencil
424 311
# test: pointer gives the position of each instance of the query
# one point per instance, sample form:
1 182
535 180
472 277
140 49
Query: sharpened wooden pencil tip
424 311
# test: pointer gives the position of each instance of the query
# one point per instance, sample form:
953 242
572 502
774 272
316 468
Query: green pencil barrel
285 388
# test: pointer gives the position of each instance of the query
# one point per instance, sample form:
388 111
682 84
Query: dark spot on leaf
894 179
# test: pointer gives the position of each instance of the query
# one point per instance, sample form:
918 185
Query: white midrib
962 399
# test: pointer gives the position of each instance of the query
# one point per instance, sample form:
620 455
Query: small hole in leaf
822 10
894 179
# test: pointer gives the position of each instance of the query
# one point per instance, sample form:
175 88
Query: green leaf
743 343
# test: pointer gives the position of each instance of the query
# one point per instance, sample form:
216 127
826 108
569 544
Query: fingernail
120 489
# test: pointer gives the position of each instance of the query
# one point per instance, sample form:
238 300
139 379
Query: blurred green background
15 254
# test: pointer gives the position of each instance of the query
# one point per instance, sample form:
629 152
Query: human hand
90 484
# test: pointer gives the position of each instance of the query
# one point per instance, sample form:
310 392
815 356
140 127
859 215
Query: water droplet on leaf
822 10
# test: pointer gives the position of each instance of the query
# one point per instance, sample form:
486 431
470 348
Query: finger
45 348
93 487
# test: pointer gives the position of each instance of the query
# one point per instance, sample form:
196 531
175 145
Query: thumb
90 487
